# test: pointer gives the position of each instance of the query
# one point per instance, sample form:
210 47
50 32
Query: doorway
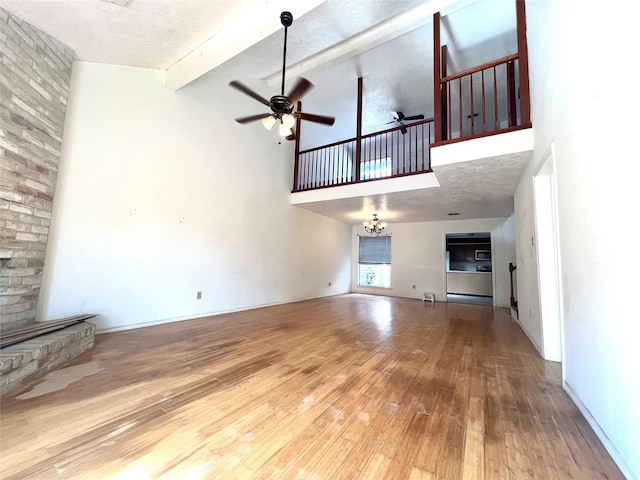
544 193
468 267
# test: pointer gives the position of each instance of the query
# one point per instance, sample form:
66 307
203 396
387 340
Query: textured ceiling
474 189
148 33
386 42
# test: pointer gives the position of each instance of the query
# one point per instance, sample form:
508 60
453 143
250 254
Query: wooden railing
395 152
485 100
482 99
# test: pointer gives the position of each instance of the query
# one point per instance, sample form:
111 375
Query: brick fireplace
34 88
33 99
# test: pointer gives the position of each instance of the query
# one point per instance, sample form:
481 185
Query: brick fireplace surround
34 88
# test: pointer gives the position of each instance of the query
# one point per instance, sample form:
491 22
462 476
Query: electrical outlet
199 296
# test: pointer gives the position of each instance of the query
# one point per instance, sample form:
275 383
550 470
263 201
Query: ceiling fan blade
316 118
252 118
299 90
415 117
247 91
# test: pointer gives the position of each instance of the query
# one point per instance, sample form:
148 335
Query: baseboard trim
162 321
535 345
615 455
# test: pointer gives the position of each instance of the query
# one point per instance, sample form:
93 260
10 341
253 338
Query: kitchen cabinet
465 253
469 253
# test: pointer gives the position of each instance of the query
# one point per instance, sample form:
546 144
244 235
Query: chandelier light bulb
375 226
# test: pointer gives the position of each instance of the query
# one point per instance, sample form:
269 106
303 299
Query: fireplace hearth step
40 328
26 362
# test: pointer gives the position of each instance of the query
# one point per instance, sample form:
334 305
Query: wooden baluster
460 109
511 94
334 174
471 105
330 158
495 99
343 154
415 133
429 149
422 152
316 168
484 110
323 166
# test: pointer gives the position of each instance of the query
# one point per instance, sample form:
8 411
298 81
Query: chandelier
375 226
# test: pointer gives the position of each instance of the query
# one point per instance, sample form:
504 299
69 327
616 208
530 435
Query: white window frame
376 272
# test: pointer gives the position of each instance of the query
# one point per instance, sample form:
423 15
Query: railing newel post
296 166
523 63
437 77
358 131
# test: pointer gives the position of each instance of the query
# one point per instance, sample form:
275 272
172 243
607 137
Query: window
374 261
379 168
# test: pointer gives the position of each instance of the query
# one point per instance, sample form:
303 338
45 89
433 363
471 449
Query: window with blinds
374 261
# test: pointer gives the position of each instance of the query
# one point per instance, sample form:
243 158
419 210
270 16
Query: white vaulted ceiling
386 42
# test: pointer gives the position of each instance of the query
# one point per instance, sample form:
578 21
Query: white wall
417 256
590 114
162 194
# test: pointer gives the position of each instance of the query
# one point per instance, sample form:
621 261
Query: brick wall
35 72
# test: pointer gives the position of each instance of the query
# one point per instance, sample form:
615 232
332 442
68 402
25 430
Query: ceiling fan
282 106
399 118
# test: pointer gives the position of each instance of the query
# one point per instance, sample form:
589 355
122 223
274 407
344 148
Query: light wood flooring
351 386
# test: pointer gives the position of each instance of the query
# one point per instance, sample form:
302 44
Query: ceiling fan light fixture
282 105
288 120
269 122
284 131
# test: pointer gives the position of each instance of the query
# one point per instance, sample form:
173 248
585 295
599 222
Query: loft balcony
481 121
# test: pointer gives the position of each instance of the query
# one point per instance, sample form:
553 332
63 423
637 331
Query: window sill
374 286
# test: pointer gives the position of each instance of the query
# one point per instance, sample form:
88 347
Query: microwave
483 255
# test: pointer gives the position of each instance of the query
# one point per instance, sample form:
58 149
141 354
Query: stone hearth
25 362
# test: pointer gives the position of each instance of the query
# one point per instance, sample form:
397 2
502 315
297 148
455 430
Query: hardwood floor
352 386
